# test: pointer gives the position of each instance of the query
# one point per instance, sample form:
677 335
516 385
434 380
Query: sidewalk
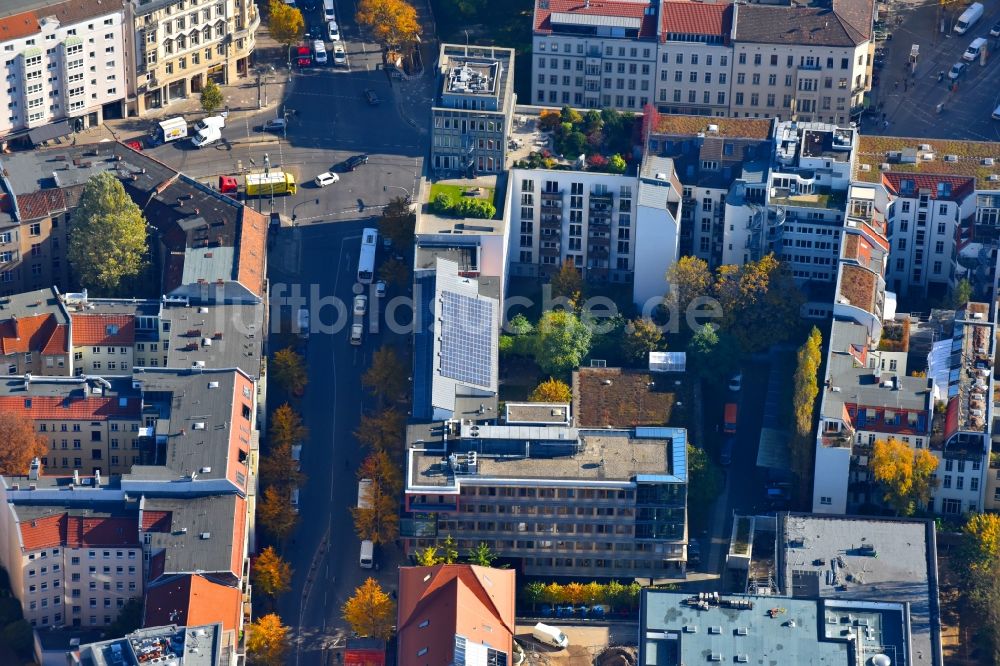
241 97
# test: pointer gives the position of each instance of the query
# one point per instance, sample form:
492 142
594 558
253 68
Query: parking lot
910 96
585 643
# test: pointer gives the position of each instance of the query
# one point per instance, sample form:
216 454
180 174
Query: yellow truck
267 184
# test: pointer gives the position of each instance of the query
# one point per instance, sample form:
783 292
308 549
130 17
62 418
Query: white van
206 137
297 456
356 333
328 14
295 500
551 636
968 18
367 559
319 52
332 31
975 48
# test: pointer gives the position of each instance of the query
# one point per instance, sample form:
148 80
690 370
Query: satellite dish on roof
881 660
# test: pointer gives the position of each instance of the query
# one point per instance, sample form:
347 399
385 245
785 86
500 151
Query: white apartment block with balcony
694 59
182 44
810 63
588 218
64 64
594 54
657 230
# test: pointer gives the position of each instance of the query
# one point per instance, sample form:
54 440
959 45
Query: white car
319 52
339 54
302 321
380 288
360 305
736 382
327 178
356 332
333 31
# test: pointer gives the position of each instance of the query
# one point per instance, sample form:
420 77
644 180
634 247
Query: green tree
107 240
449 554
806 388
211 97
552 390
712 354
562 342
978 561
370 611
272 575
397 222
704 478
963 293
394 273
285 23
482 555
552 593
567 283
641 337
441 204
593 593
574 145
907 474
288 370
617 164
760 303
533 593
616 594
570 115
386 376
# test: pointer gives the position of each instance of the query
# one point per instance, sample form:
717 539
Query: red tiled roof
192 600
78 532
156 521
251 251
57 343
961 186
614 8
19 25
26 334
103 329
91 408
36 205
696 18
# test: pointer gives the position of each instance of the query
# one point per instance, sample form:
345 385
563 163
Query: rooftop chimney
17 329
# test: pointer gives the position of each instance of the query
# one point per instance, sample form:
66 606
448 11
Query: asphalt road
910 100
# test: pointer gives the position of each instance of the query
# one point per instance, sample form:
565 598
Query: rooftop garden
606 139
874 151
463 200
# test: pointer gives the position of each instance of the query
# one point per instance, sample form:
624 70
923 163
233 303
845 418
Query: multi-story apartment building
72 565
712 155
594 54
182 44
586 218
171 643
943 196
563 501
91 425
213 247
473 110
811 63
34 334
65 66
694 58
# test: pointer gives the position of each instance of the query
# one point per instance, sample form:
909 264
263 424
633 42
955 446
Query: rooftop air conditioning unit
205 535
987 161
866 167
951 158
885 166
928 156
200 425
925 146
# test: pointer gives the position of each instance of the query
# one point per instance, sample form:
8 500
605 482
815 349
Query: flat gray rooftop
186 546
220 336
182 646
866 558
675 630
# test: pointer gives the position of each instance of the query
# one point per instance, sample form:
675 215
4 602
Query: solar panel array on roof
466 353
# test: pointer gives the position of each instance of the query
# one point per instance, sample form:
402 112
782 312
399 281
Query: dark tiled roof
844 25
43 203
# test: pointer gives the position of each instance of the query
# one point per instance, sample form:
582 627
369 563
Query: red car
303 56
134 145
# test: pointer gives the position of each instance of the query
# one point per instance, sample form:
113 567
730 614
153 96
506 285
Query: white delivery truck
367 556
548 635
208 130
973 13
170 129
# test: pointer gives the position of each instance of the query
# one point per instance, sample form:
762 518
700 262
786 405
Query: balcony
552 195
599 241
548 251
598 252
551 203
551 222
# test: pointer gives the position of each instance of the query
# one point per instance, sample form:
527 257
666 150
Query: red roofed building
692 70
103 343
192 600
454 605
34 330
72 566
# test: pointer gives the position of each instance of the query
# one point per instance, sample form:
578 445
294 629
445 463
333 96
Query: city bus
366 260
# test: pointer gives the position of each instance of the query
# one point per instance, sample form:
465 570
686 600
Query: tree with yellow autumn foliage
906 474
267 640
370 612
393 22
551 390
271 574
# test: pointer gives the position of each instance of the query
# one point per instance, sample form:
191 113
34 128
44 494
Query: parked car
333 31
274 125
380 288
339 54
736 382
957 70
360 305
357 330
326 178
302 322
354 161
371 97
995 30
319 52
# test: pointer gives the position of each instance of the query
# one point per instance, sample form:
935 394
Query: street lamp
409 198
316 202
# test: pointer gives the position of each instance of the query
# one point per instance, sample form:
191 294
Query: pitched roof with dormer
631 15
106 330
